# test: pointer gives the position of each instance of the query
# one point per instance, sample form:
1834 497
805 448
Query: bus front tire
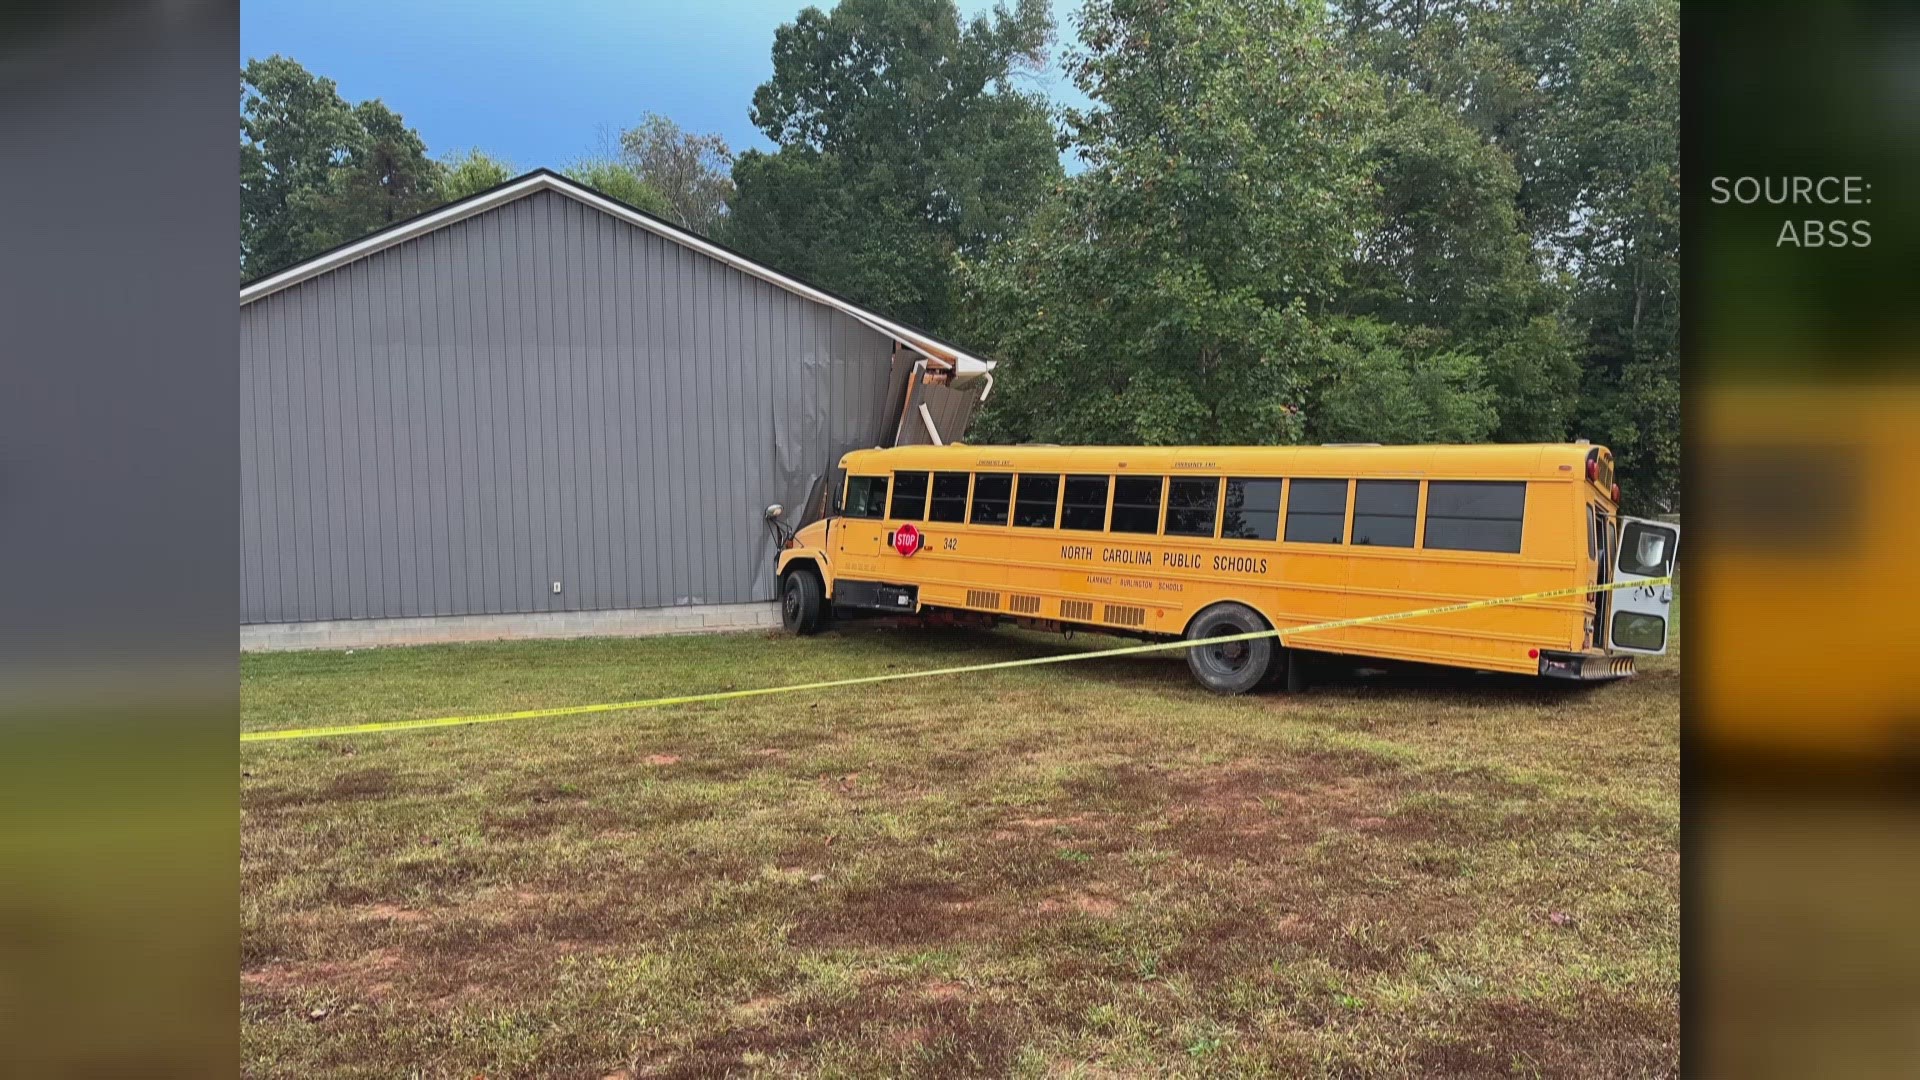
1231 667
802 601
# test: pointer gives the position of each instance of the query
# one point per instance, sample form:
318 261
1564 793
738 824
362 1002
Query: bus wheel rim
1228 658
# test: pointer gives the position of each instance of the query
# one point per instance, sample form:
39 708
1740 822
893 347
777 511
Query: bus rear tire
1234 667
802 599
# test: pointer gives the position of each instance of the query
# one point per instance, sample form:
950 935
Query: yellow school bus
1201 542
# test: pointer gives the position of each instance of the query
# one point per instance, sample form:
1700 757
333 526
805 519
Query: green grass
1090 869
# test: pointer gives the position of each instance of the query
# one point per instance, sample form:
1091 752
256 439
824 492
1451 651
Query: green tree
471 172
800 211
315 172
1447 248
386 176
1583 98
1177 290
901 143
690 172
1533 369
294 131
1451 253
1495 65
1384 384
1616 145
617 180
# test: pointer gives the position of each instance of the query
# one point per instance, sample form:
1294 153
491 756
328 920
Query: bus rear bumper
1585 667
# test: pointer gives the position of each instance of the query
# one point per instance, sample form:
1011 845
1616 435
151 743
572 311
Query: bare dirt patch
909 913
391 913
944 990
1246 813
756 1010
353 785
368 976
358 784
1097 904
1600 1035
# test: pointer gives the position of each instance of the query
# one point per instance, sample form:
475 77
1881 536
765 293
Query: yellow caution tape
863 680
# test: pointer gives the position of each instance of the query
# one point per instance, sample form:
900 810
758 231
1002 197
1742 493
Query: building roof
938 352
1545 461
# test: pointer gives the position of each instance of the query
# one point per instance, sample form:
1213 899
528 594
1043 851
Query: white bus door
1639 612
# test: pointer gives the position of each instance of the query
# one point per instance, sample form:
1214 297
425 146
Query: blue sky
545 83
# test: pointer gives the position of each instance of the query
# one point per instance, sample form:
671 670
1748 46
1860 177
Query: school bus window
1475 515
1383 512
1637 631
866 496
949 497
1317 512
1086 504
1253 510
1646 550
1191 501
992 495
909 496
1034 499
1136 504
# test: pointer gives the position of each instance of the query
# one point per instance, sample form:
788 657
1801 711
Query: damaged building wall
541 393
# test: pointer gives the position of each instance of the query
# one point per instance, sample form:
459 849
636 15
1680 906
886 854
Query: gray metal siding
541 392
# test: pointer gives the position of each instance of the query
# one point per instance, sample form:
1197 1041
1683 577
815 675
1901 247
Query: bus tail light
1533 654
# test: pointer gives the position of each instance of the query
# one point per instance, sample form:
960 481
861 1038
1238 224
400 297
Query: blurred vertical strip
1801 405
1801 366
118 535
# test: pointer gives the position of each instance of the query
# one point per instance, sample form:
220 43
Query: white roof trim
936 350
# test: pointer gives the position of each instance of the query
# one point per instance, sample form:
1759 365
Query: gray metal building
539 411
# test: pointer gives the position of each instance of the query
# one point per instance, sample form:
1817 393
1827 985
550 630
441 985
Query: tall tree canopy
690 172
386 176
294 130
901 142
316 172
1177 291
610 176
1449 253
1615 147
471 172
1582 98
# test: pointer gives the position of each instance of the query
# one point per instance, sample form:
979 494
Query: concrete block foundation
441 629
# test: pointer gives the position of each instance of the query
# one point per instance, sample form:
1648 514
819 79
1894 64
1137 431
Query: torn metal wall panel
949 407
